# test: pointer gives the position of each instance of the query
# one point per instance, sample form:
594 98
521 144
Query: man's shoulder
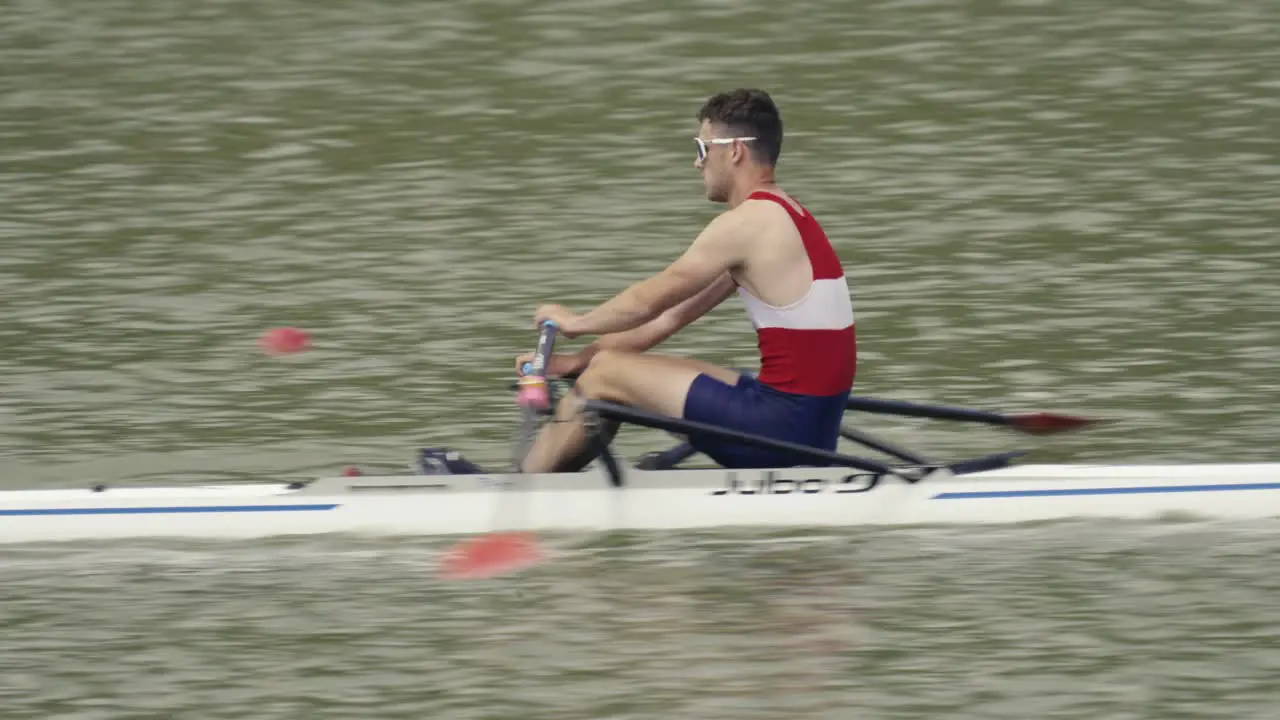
776 197
769 215
732 219
752 218
750 213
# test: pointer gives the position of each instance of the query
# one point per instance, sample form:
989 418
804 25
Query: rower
769 250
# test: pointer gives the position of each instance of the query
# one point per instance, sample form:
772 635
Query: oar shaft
910 409
1033 423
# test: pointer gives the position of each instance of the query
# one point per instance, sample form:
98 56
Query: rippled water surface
1066 621
1062 205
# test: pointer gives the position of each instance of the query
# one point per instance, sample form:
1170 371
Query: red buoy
284 340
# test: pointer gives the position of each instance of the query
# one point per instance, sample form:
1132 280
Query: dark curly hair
750 113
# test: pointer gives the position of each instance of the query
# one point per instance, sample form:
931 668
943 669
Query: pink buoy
284 340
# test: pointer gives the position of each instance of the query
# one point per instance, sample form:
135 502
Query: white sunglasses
702 144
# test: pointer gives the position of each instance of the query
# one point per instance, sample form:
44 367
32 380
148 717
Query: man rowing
768 249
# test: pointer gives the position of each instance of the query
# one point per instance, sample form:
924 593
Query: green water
1039 205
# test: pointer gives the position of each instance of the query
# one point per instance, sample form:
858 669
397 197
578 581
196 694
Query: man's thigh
658 383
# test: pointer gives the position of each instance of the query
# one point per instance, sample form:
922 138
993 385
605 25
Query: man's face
716 165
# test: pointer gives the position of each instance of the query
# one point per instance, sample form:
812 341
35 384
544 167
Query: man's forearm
630 310
667 323
636 340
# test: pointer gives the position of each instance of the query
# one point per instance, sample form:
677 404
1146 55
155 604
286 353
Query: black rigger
634 416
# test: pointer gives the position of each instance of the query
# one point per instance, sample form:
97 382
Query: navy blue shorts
761 410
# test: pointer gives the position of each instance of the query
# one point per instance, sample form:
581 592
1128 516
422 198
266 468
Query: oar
1034 423
502 552
1037 423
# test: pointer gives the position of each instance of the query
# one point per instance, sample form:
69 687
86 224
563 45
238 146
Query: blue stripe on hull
173 510
1140 490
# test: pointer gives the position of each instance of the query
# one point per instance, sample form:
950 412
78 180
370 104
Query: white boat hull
658 500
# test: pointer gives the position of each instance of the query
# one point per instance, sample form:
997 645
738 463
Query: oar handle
533 381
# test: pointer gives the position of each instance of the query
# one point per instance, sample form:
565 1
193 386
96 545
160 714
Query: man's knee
603 377
649 381
606 360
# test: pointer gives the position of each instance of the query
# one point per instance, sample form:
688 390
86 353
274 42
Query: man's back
796 294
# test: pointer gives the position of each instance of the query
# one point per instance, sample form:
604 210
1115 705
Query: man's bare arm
657 330
717 250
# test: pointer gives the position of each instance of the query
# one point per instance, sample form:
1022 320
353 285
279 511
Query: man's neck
762 180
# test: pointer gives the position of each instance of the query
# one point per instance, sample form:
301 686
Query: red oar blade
496 553
1043 423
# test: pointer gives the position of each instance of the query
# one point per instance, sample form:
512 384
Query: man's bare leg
656 383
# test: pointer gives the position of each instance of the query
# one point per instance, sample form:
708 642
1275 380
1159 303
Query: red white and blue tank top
807 347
